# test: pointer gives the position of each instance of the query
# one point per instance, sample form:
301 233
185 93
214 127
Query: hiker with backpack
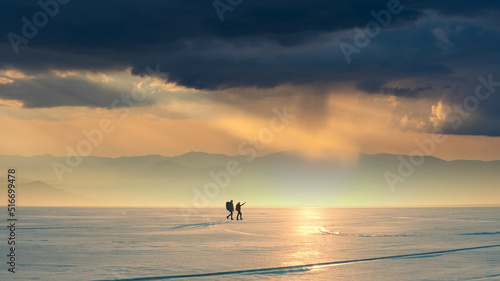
230 208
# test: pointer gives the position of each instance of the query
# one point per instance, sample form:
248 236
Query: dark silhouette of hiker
238 208
230 208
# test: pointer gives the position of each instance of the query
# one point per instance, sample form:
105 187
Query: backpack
228 206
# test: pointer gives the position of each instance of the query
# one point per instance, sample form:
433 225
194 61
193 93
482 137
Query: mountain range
198 179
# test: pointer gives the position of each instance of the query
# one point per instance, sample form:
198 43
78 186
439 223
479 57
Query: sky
324 78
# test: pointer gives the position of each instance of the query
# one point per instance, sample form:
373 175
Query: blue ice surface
270 244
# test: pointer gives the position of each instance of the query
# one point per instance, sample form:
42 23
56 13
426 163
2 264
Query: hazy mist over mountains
198 179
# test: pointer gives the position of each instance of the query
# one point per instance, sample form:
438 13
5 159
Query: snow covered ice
128 243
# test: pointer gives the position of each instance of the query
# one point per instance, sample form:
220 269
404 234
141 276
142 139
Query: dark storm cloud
131 24
377 86
259 44
185 37
51 91
371 86
397 91
198 50
457 8
481 116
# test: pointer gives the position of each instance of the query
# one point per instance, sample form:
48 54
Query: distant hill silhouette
41 194
285 178
203 159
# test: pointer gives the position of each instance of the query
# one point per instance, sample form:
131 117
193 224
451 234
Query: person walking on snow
238 208
230 208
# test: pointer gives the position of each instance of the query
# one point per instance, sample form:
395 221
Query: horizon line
284 206
296 152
